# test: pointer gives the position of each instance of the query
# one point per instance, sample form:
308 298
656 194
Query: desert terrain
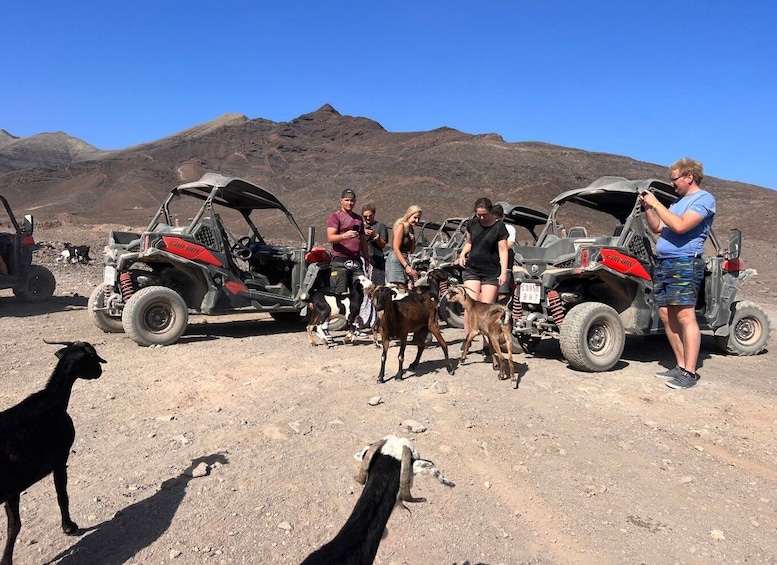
236 444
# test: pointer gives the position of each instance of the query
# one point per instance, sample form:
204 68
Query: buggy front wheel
101 319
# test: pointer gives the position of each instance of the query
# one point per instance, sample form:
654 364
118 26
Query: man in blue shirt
679 272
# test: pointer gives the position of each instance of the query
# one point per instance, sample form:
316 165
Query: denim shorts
677 281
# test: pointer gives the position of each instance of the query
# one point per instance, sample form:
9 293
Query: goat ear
406 477
426 467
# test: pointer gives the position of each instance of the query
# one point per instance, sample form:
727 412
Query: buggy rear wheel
39 287
592 337
749 330
100 317
155 315
452 313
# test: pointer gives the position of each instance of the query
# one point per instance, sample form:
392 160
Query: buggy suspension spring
556 309
443 287
127 286
517 306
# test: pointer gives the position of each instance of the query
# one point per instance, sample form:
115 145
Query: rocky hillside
309 160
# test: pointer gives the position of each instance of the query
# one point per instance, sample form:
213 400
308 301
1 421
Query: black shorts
344 271
470 275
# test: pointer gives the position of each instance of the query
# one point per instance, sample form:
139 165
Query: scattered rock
439 388
374 401
413 426
200 470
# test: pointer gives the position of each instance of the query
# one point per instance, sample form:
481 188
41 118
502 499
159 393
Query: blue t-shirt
690 243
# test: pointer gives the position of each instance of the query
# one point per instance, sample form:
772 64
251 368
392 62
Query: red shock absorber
556 309
517 306
127 287
443 287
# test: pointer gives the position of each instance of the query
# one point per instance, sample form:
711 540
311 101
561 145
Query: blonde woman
398 269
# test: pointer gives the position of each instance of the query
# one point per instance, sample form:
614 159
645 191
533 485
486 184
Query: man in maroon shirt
345 231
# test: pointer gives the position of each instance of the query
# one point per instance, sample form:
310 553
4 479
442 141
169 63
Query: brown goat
415 313
493 322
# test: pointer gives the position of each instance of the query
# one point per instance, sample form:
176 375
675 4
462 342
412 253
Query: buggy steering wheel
241 249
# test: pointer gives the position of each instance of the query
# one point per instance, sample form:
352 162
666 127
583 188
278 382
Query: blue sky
654 81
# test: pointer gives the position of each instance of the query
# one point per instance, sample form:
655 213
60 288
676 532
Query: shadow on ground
119 539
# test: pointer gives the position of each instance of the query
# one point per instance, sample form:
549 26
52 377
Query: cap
348 193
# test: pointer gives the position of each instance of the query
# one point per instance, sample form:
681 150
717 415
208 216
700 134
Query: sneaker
686 380
357 333
675 371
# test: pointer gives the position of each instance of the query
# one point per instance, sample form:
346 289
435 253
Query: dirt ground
569 468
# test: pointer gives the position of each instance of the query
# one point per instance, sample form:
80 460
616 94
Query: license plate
109 276
530 293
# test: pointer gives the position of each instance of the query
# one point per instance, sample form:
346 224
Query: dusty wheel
749 330
592 337
101 319
452 313
39 287
155 315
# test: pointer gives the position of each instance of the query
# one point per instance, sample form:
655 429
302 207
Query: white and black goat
75 254
36 436
387 470
326 306
416 314
494 322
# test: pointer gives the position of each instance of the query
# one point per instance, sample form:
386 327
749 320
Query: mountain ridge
307 161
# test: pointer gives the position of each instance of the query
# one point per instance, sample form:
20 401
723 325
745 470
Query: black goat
387 467
36 436
416 314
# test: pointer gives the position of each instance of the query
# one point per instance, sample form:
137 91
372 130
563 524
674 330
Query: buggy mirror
311 238
734 243
27 225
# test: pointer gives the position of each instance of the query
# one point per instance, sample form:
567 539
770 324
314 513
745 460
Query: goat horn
361 478
406 477
67 343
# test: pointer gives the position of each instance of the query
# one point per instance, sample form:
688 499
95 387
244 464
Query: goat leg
443 344
60 484
509 344
401 358
382 373
14 525
419 339
467 342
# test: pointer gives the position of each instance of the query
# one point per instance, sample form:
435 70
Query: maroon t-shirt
343 221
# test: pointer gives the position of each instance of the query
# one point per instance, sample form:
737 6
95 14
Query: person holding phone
377 238
683 229
345 231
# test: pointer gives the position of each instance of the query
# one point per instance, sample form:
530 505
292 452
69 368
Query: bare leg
690 336
672 328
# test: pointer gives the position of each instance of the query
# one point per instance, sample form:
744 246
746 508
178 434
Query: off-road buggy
31 283
588 291
443 253
202 252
